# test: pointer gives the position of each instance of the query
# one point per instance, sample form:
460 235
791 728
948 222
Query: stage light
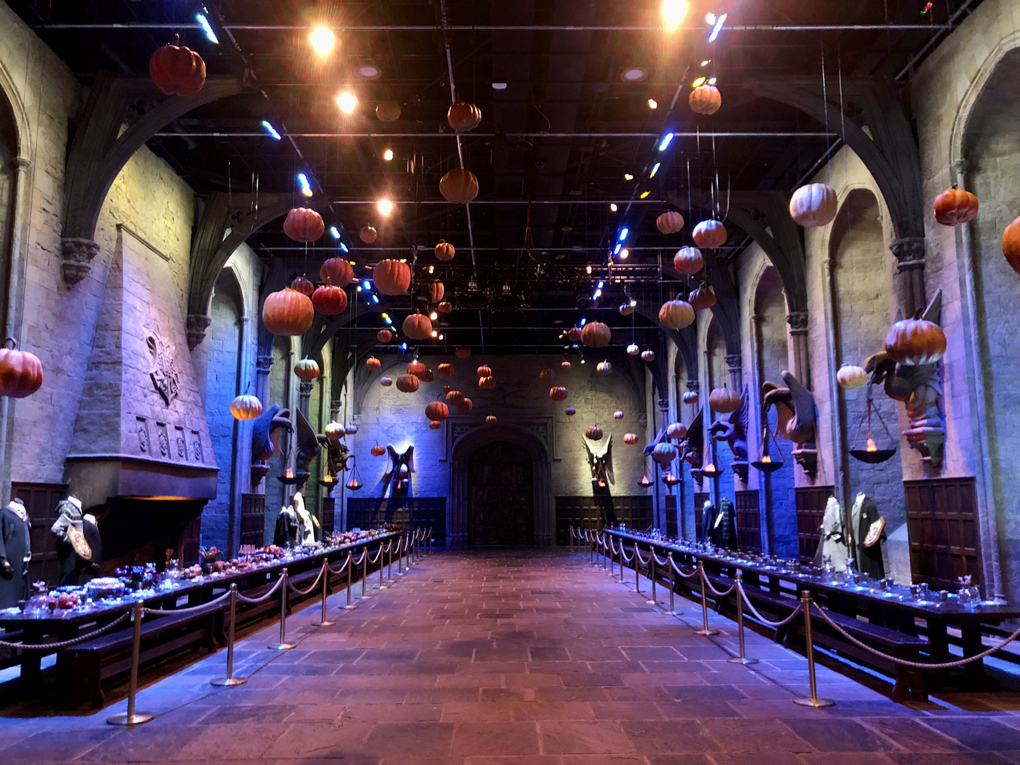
600 285
306 187
698 82
717 28
375 299
655 169
432 269
435 333
388 155
334 232
624 254
268 126
367 284
616 250
624 232
433 316
344 247
583 320
499 86
673 12
613 207
588 269
347 102
628 177
666 141
322 40
203 22
644 195
384 206
653 104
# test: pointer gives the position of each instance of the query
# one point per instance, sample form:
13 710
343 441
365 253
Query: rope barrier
663 563
315 584
762 619
359 561
714 591
343 567
65 643
676 568
263 598
623 553
378 556
186 611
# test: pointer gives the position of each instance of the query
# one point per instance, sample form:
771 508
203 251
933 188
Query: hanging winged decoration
796 418
401 468
307 448
732 428
919 387
692 449
601 463
337 456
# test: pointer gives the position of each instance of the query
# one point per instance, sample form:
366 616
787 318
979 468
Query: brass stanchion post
741 659
324 622
672 586
350 580
651 576
382 566
131 717
230 681
389 565
705 631
364 575
283 645
637 569
813 700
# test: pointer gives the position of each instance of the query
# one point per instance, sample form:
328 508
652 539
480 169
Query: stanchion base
351 607
138 718
323 624
366 597
634 589
672 613
745 662
706 633
652 602
228 682
816 703
282 646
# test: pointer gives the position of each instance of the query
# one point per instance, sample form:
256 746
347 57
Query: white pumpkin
813 205
851 377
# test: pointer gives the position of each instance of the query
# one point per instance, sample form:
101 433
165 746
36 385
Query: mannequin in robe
863 514
308 523
722 529
15 553
287 528
73 551
833 541
708 514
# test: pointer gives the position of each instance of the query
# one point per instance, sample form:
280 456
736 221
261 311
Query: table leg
971 638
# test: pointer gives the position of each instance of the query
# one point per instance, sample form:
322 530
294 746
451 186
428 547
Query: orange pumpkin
459 186
329 300
388 111
373 363
445 307
445 251
1011 245
377 450
435 425
446 370
464 116
596 335
368 234
418 326
302 285
676 314
565 366
813 205
246 407
383 335
691 397
487 383
437 410
385 381
428 376
702 298
669 222
464 406
558 393
304 225
287 313
306 369
915 342
336 272
594 432
462 353
955 206
724 400
435 292
21 373
177 70
546 375
408 383
630 438
626 309
710 234
648 355
705 99
484 371
454 398
688 261
490 420
574 335
417 369
603 368
391 277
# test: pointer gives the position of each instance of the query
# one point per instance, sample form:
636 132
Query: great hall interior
563 382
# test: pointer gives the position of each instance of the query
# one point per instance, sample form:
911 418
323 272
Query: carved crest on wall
163 373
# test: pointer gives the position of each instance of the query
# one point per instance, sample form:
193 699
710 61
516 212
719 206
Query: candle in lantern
290 473
872 446
766 459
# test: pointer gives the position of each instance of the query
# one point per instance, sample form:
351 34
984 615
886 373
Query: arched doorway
501 505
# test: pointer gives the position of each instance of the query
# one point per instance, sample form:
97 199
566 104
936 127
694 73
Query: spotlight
653 104
655 169
334 232
367 284
499 86
207 29
347 102
617 249
384 206
435 333
624 254
716 27
628 177
268 127
433 316
666 141
306 187
432 269
369 71
698 82
588 269
673 12
344 247
634 74
624 233
388 155
644 195
375 298
613 207
322 40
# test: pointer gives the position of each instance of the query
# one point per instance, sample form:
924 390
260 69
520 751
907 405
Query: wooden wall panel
410 513
700 498
810 509
328 515
748 520
41 503
587 512
253 519
942 525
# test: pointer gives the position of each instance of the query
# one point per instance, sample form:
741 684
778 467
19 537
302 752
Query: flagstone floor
517 658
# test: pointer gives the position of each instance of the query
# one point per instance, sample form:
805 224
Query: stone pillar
798 322
262 366
304 396
733 361
909 252
660 494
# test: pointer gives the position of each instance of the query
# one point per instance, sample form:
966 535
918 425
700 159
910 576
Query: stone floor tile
406 740
584 738
834 735
518 739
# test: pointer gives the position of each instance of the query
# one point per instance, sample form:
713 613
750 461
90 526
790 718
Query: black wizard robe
15 553
863 514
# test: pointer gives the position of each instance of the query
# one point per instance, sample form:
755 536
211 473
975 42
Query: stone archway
480 437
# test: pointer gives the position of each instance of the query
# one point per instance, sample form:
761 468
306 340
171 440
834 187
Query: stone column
660 495
262 366
798 322
304 396
733 361
909 252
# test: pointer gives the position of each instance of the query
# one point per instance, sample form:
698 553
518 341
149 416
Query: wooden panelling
41 503
942 525
253 519
748 520
596 512
501 508
672 523
328 515
810 509
190 541
409 512
700 498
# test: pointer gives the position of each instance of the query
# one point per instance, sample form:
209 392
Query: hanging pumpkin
336 272
483 371
445 307
618 414
383 335
437 410
724 400
570 411
702 298
435 425
691 397
490 420
373 363
351 430
329 300
387 111
626 309
417 369
558 393
915 342
408 383
463 117
546 375
445 251
955 206
710 234
435 292
454 398
648 355
464 406
335 431
459 186
677 431
688 261
574 335
418 326
391 277
487 383
669 222
302 285
630 438
177 70
676 314
850 377
565 366
377 450
705 99
304 225
447 389
446 370
633 349
664 453
1011 245
288 313
603 368
596 335
462 353
385 382
813 205
368 234
306 369
245 407
594 432
428 376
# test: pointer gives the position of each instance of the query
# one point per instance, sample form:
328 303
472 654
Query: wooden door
502 496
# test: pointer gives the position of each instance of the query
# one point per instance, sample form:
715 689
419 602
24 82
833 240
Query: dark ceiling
553 147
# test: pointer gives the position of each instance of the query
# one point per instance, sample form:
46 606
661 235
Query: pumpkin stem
177 39
12 341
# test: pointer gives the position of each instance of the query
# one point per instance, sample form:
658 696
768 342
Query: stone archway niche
458 505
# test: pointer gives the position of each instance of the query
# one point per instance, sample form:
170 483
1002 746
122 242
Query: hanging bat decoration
601 463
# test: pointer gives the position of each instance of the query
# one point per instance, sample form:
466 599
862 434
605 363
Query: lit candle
872 446
766 459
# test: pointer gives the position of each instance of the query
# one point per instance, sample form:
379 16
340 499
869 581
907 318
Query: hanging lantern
445 251
459 186
329 300
669 222
306 369
850 377
336 272
302 285
702 298
648 356
669 479
705 99
766 463
177 70
596 335
710 234
246 407
869 451
383 335
955 206
368 234
688 261
603 368
304 225
633 349
463 117
644 482
676 314
391 277
287 313
813 205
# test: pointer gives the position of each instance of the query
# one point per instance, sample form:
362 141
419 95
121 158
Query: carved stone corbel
76 257
197 326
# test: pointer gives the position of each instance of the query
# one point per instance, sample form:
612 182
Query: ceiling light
706 62
499 86
588 269
711 80
268 127
600 285
634 74
384 206
710 18
432 269
369 71
616 250
628 177
306 187
716 28
388 155
334 232
644 194
613 207
347 102
435 333
666 141
442 337
322 40
655 169
624 254
344 247
433 316
698 82
375 299
673 12
624 233
366 284
203 22
653 104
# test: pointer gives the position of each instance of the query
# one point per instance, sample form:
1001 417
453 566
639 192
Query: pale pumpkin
688 261
710 234
813 205
669 222
850 377
676 314
246 407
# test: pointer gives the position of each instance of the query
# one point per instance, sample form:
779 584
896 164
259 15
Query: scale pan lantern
872 453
